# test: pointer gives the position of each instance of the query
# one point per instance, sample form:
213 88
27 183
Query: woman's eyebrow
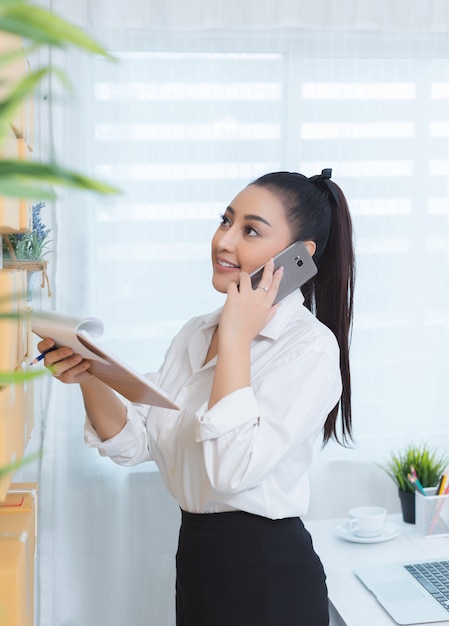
250 216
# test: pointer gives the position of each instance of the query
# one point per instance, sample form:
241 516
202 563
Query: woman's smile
224 265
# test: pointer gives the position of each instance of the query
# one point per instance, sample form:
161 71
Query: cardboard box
19 141
28 116
16 400
17 554
26 216
13 330
9 207
22 498
24 316
9 328
11 74
16 425
15 580
11 434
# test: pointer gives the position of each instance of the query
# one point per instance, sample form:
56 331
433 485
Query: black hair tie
325 177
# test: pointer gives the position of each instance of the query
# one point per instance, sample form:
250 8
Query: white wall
344 478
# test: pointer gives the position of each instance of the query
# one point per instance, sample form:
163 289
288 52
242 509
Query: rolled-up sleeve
247 433
130 446
223 417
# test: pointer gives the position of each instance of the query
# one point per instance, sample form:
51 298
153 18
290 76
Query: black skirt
239 569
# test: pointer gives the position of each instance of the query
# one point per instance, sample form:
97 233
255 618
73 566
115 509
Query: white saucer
390 531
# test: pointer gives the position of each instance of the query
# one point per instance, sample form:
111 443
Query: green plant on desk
428 463
423 465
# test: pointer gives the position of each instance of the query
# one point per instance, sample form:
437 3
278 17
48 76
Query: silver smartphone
299 267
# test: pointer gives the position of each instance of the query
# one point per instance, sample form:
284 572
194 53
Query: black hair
317 210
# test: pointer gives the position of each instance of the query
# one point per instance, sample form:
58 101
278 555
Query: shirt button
191 388
167 433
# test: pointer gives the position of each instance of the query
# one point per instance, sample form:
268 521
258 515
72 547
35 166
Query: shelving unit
18 536
17 502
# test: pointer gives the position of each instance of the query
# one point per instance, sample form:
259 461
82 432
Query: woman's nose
228 240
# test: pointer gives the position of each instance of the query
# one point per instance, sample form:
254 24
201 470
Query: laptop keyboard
433 576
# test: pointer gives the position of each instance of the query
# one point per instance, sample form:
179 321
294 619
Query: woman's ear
311 247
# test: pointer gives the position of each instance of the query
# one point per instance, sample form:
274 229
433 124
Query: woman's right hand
64 363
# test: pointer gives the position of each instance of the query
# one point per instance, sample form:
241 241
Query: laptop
414 592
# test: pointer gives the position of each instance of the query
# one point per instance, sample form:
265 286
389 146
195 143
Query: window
182 132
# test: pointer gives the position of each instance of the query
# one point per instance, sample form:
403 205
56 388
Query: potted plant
27 251
428 466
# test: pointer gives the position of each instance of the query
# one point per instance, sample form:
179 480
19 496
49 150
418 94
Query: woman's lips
226 266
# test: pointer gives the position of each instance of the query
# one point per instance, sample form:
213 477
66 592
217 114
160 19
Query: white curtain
205 97
409 16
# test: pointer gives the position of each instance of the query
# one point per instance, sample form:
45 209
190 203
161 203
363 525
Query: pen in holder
432 513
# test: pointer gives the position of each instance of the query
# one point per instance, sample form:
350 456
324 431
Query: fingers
277 278
63 362
73 369
266 290
45 344
267 276
59 361
58 355
270 280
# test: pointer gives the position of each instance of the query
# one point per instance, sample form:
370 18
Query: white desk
351 604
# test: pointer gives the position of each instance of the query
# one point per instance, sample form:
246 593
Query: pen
41 356
442 485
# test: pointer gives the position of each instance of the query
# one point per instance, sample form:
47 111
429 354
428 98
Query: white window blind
182 131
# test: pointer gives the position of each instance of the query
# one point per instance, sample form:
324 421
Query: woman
256 384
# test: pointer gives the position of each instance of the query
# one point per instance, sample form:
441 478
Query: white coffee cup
367 521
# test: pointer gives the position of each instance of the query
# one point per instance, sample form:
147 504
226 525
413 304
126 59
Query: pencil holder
432 514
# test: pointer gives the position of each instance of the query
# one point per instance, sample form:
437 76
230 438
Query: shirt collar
288 307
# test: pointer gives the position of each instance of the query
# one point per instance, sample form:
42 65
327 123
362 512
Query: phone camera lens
299 261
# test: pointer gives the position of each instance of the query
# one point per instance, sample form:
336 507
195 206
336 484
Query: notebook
411 592
80 333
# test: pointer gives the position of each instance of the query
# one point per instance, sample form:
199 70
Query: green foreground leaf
13 467
20 92
15 176
11 378
43 26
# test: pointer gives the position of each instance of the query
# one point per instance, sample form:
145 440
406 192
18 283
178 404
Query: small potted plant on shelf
27 251
414 467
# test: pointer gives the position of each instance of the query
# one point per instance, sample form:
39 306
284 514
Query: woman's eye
224 220
252 232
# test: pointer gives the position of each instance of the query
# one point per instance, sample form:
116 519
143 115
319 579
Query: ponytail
317 211
330 297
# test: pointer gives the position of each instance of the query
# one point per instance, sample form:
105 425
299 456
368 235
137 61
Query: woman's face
253 229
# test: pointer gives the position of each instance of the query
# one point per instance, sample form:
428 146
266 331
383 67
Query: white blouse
252 450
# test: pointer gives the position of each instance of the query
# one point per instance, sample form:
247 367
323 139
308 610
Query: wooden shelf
17 502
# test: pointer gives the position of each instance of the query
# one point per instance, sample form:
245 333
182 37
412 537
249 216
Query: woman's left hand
247 310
